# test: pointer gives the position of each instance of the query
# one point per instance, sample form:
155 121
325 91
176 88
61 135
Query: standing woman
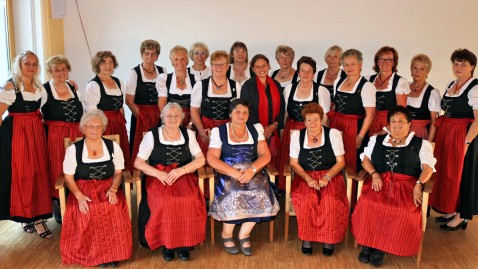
455 189
62 111
25 189
423 100
177 86
318 190
211 98
142 94
354 108
326 77
286 74
172 212
239 70
198 53
296 96
392 89
105 92
267 105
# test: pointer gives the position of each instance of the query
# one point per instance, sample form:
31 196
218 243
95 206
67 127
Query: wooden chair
271 172
289 208
127 178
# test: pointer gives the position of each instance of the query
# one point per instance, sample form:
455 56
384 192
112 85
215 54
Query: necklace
94 150
302 87
218 87
234 135
147 71
383 81
60 90
314 137
331 74
458 88
283 75
350 82
395 140
181 79
166 135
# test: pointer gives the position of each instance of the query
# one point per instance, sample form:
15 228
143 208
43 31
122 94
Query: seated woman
318 190
96 226
387 217
172 212
243 194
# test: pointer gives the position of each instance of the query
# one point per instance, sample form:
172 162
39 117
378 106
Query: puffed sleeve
196 95
426 154
337 142
215 139
434 101
193 143
473 97
402 87
131 81
69 163
287 90
44 96
7 97
118 158
294 144
161 85
260 131
324 99
368 95
146 146
92 96
367 151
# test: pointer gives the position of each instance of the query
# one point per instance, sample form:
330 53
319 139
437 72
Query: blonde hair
196 46
56 60
176 49
16 69
334 49
288 51
422 58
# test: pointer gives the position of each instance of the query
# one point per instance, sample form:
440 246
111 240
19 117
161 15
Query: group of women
243 118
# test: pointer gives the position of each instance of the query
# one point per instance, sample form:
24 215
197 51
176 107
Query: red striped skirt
420 128
148 117
208 123
388 220
117 125
450 154
31 189
57 132
101 235
178 213
348 125
283 156
322 216
378 122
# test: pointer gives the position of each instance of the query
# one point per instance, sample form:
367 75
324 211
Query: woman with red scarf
267 105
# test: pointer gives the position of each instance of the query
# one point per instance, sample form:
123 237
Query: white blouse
247 73
201 74
93 95
196 94
339 75
425 154
69 164
335 139
8 97
216 142
433 102
44 94
163 89
367 94
402 86
131 81
472 94
324 97
147 145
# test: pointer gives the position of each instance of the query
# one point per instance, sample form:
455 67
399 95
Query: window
4 47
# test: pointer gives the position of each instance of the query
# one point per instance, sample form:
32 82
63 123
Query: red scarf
264 104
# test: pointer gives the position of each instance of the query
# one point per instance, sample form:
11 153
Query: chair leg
212 230
138 196
271 231
62 202
286 233
127 190
419 255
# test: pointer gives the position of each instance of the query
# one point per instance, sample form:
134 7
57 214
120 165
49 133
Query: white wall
310 27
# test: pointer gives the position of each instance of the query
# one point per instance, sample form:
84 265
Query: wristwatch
253 169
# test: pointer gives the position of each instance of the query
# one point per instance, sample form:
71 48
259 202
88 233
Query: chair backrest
67 141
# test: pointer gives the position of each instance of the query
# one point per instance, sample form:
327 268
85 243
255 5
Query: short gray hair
168 107
332 50
95 113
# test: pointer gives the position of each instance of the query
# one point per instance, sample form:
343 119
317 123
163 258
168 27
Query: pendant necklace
314 137
218 87
94 150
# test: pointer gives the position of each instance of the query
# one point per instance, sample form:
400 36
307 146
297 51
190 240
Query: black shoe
443 219
307 251
328 249
364 255
104 265
462 225
376 259
168 254
183 255
114 264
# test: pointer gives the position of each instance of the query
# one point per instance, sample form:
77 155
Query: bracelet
419 182
328 178
185 171
371 175
467 142
115 190
361 139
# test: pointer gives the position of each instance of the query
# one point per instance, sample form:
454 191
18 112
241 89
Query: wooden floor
441 250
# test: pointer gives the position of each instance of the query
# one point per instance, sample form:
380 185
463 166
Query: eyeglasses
152 54
202 53
170 117
397 122
94 127
219 65
385 60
